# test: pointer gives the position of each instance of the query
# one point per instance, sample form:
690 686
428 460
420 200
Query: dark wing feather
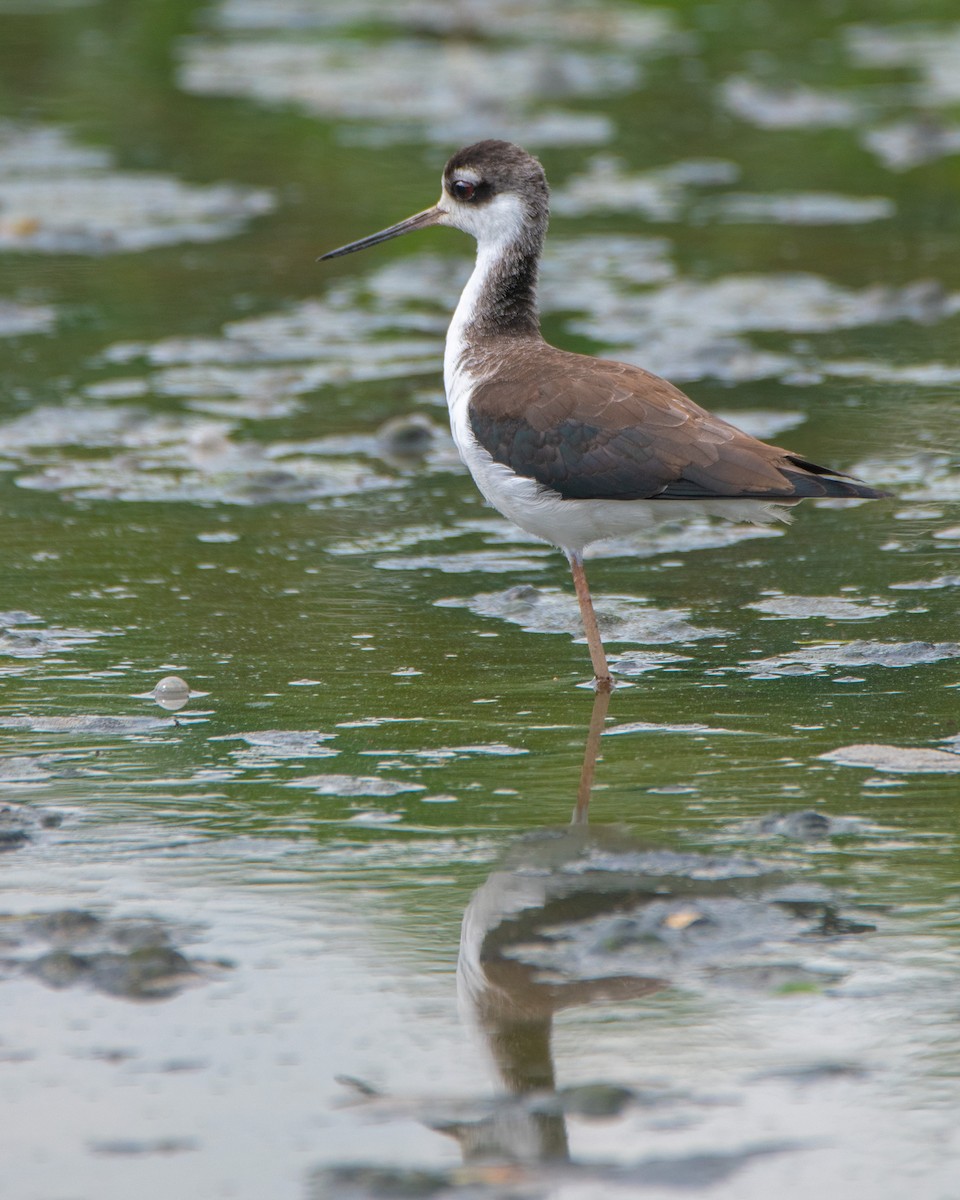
592 429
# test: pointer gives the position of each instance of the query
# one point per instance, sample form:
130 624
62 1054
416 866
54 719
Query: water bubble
171 693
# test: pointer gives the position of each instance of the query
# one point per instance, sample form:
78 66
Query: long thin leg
601 702
601 668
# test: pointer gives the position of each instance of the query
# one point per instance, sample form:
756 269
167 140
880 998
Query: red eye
463 189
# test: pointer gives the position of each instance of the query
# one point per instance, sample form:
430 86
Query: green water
168 510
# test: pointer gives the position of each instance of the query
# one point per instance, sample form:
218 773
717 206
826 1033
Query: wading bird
572 448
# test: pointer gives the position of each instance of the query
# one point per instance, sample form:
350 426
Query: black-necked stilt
571 448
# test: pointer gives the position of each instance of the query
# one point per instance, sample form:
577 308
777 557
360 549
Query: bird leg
601 668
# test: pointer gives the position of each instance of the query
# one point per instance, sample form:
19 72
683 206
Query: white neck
488 256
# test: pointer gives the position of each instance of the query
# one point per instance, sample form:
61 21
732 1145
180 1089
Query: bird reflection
510 1003
582 914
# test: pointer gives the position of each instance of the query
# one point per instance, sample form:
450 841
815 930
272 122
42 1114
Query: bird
572 448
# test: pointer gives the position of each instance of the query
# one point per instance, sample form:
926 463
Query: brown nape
509 308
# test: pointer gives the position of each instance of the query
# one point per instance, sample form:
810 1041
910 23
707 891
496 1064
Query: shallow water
231 929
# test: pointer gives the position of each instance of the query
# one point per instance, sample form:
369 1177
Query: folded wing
590 429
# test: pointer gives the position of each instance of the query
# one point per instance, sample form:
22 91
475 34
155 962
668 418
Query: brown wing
592 429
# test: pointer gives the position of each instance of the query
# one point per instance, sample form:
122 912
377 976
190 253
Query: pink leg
601 668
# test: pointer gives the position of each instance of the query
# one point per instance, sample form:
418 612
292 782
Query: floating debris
402 538
933 374
127 958
660 194
933 52
788 106
269 747
490 562
814 660
832 608
687 329
482 85
502 65
219 537
19 823
173 458
797 208
788 302
599 260
128 1146
94 426
621 618
927 585
922 475
17 320
639 662
284 743
816 1072
100 726
897 759
913 142
364 329
763 423
59 198
25 769
33 8
573 21
23 635
452 753
806 825
696 728
354 785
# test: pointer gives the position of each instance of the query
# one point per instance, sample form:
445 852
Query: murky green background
198 477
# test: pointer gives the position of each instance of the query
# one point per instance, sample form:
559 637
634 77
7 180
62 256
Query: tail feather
810 480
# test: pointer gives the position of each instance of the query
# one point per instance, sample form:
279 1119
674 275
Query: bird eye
463 189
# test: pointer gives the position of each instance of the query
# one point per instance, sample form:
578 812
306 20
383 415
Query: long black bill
420 220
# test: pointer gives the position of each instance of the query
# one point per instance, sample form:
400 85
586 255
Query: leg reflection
601 702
